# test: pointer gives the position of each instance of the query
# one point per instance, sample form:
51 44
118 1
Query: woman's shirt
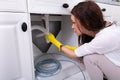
105 42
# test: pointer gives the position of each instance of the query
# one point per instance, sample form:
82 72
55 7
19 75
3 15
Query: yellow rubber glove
50 37
71 47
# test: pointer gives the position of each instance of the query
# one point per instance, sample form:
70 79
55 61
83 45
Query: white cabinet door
15 47
110 12
13 5
51 6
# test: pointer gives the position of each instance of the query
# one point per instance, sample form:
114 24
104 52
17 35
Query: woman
101 53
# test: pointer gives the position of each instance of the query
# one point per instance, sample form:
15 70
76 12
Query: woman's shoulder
111 28
109 31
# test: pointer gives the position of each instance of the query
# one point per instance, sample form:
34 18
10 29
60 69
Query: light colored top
106 42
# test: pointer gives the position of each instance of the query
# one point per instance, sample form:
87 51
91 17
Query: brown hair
90 15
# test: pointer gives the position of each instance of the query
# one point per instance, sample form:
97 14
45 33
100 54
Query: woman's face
76 26
79 28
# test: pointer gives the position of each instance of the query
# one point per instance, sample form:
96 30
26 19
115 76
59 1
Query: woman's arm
68 52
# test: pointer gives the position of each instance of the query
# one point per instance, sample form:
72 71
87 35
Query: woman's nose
72 26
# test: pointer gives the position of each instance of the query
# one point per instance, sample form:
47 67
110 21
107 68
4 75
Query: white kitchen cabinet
13 5
110 12
51 6
111 2
15 47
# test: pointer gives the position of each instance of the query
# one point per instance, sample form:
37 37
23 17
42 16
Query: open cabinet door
15 48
